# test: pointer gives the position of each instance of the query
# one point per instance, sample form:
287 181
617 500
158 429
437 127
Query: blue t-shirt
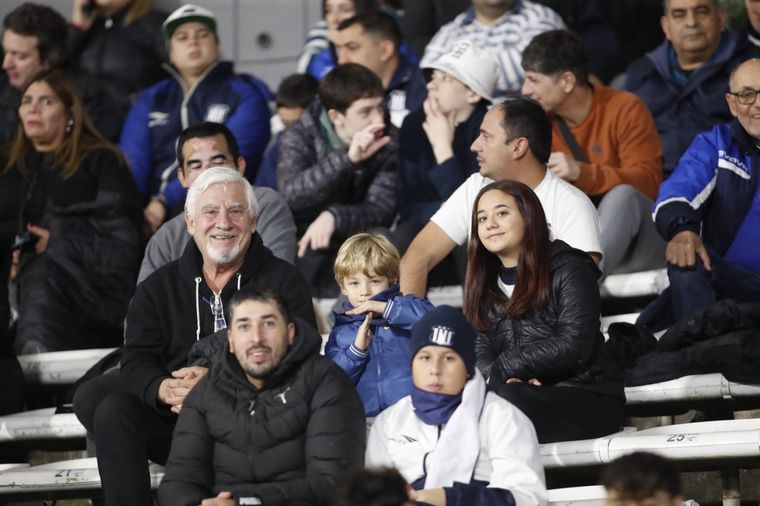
744 251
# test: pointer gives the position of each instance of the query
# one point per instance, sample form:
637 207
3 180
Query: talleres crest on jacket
441 335
217 113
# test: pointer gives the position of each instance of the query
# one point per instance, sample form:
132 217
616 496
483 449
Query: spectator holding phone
337 170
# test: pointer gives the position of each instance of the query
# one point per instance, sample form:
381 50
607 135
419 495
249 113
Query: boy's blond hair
367 253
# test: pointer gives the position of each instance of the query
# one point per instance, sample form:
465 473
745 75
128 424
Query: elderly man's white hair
220 175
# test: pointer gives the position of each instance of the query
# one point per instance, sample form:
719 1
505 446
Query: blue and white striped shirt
505 39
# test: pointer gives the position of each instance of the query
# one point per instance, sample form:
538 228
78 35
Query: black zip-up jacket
314 177
285 443
559 344
170 311
126 57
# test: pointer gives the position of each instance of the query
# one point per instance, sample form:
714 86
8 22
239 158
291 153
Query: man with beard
273 422
181 303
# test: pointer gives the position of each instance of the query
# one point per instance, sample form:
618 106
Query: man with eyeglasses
182 303
709 211
683 80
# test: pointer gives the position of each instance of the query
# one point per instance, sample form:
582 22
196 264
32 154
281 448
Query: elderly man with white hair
179 304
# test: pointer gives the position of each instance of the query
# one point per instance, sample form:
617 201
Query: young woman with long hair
535 303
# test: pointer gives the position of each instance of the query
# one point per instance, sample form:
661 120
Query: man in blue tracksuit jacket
682 81
709 209
202 89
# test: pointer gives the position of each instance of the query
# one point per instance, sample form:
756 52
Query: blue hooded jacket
712 190
382 374
161 112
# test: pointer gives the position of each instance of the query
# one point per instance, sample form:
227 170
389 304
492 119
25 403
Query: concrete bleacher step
634 284
703 445
40 424
698 387
593 495
67 475
708 443
59 367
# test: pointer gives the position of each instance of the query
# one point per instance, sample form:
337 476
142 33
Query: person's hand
434 496
683 248
367 142
439 129
374 306
81 20
155 214
15 264
364 334
532 381
223 499
318 235
44 237
563 166
172 391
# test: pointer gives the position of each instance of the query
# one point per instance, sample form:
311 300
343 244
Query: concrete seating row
81 476
634 284
699 445
40 424
59 367
68 478
696 446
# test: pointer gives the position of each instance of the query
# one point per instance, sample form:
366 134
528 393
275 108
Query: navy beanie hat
447 327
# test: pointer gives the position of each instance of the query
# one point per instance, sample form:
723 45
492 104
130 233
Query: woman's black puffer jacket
559 344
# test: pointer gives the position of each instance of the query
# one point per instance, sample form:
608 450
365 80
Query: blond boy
370 340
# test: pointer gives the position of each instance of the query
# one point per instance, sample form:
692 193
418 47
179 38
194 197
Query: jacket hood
191 261
377 319
306 344
216 68
743 139
728 46
191 271
561 253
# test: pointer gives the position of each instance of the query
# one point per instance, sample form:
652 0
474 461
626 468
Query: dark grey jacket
314 177
285 443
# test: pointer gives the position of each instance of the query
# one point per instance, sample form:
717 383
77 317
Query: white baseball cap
186 14
472 66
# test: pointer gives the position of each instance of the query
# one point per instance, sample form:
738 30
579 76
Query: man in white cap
203 88
435 155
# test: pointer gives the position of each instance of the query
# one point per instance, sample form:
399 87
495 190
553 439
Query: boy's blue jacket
382 374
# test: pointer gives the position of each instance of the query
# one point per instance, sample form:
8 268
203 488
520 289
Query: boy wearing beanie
452 441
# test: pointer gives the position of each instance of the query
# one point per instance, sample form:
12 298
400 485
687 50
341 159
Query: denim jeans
693 289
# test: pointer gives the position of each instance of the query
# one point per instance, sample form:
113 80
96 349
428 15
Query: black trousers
565 413
127 433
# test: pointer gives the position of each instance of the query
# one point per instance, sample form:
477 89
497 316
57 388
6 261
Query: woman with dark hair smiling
536 306
69 199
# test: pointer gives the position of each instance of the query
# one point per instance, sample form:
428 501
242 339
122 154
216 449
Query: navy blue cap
447 327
